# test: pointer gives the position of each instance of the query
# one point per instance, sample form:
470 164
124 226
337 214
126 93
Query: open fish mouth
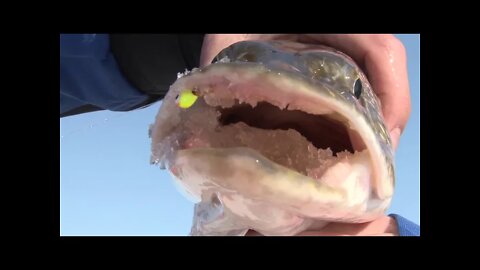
271 150
286 135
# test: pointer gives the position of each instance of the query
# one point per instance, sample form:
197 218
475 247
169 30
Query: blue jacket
405 226
133 72
121 72
90 76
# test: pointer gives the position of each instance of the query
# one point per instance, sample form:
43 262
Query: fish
278 137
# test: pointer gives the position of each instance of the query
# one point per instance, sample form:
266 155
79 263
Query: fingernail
395 136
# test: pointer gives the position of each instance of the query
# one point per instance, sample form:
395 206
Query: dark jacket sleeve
121 72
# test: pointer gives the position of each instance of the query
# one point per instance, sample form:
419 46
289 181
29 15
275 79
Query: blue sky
108 187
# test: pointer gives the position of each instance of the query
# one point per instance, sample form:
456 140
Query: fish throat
320 130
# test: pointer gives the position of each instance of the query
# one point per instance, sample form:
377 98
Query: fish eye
357 88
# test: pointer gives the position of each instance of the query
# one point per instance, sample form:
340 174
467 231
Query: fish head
277 137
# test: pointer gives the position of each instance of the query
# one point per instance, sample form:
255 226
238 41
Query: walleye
278 137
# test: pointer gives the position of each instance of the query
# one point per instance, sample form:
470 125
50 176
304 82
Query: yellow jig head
186 99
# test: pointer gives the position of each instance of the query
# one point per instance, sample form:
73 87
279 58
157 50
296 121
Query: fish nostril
216 201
